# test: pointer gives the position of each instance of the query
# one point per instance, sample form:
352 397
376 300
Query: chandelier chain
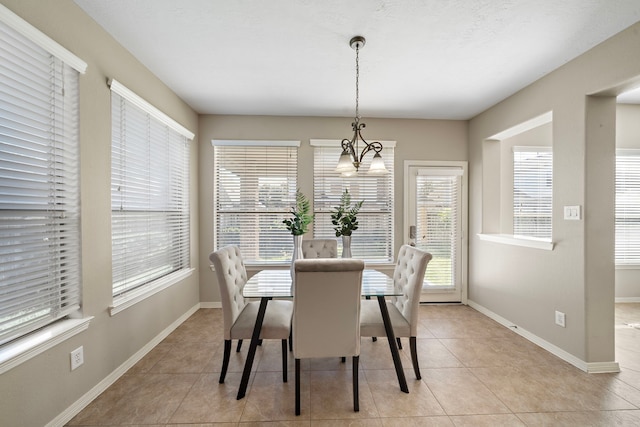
357 82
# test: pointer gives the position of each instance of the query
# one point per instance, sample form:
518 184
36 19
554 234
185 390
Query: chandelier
351 158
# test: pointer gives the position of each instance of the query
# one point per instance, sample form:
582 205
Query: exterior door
435 221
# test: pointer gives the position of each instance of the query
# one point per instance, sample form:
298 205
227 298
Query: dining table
269 284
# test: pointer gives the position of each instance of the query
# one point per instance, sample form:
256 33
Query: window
150 222
532 191
254 190
373 241
628 207
39 202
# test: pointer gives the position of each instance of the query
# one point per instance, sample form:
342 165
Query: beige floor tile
495 420
208 401
185 357
392 402
433 354
470 366
583 419
377 355
331 396
270 399
138 399
372 422
448 385
437 421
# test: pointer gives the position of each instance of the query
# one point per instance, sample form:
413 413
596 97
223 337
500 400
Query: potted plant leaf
298 224
344 218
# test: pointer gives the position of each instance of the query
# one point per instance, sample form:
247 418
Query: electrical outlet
560 319
77 358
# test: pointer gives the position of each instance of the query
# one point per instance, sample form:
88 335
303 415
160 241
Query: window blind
39 213
373 240
150 221
628 207
255 188
532 191
437 221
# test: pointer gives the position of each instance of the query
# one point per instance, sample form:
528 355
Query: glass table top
277 284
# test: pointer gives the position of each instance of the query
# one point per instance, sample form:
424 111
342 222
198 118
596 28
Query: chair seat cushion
371 324
276 324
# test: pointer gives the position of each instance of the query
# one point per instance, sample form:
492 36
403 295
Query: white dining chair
326 314
408 277
239 314
319 248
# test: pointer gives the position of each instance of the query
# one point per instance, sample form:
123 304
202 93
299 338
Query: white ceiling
447 59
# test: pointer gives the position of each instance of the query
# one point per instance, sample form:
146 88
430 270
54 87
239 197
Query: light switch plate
573 213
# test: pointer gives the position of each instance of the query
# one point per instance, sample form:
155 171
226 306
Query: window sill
627 266
509 239
131 298
16 352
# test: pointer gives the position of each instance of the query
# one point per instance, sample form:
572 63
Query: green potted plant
344 218
298 224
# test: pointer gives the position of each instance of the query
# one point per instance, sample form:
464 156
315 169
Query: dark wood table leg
255 338
393 345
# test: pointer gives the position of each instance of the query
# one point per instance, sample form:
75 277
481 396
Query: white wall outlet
573 213
77 358
560 319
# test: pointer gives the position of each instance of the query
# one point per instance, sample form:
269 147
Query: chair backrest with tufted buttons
320 248
232 277
408 277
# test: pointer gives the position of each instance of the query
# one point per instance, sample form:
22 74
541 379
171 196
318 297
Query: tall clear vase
297 252
346 246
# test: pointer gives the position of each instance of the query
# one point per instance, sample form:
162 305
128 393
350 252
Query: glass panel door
435 224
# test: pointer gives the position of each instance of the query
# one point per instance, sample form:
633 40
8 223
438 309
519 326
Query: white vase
297 252
346 246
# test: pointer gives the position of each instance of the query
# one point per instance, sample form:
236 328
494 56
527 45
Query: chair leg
356 399
414 357
374 339
297 386
290 340
239 346
343 359
399 343
225 360
284 361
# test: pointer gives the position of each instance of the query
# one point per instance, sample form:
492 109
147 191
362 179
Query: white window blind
255 188
532 191
150 222
373 240
39 206
438 199
628 207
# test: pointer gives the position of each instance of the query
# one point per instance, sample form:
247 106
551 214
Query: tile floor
475 372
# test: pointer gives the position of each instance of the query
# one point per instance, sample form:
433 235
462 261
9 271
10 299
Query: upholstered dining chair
319 248
326 313
239 314
403 309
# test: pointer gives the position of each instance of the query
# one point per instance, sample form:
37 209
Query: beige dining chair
320 248
403 309
239 314
326 313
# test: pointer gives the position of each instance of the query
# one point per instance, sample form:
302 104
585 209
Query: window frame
279 168
323 204
171 132
22 348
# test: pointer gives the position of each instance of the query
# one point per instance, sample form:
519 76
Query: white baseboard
210 305
627 299
88 397
592 368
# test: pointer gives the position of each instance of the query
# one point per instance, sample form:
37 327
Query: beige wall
525 285
37 391
416 140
